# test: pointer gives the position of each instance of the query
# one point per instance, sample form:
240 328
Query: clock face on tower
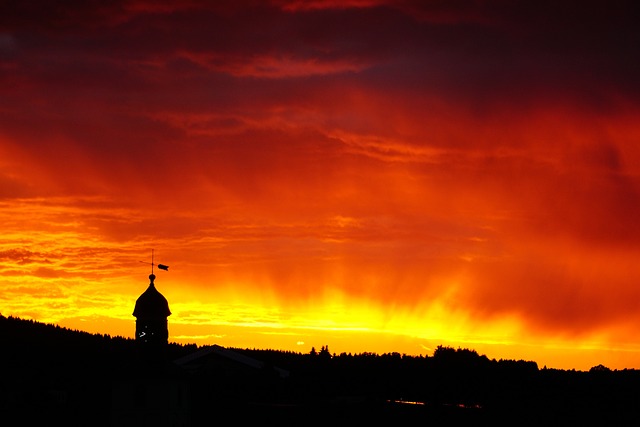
152 331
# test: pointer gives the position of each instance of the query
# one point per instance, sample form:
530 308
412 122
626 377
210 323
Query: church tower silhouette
151 312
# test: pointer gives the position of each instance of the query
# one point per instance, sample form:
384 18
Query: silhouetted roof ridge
228 354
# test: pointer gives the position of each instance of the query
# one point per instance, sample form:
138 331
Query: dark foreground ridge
57 376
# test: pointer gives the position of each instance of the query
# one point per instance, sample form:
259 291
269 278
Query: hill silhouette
53 374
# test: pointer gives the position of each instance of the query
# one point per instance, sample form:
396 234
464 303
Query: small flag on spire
152 264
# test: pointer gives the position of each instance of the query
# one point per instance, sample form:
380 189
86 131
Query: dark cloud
20 256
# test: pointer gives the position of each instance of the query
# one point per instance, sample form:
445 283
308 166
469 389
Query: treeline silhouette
54 373
464 383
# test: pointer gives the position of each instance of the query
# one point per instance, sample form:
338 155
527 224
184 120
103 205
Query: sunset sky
369 175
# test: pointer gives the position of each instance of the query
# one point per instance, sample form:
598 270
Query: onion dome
151 304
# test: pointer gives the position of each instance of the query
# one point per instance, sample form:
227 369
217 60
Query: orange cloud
384 173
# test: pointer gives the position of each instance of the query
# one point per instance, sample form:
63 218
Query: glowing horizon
369 175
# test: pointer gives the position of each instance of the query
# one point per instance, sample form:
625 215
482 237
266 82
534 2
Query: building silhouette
151 312
151 390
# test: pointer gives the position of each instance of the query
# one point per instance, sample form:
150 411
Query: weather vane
160 266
